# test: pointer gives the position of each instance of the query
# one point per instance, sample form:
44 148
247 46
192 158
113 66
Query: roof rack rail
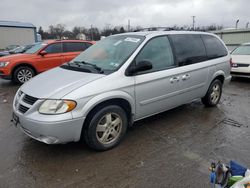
155 29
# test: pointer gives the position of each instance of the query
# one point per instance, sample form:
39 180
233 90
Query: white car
241 61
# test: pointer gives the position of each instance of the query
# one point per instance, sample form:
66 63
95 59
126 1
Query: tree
57 31
122 30
40 30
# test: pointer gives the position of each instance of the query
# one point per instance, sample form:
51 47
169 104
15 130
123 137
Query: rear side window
74 46
214 47
54 48
189 49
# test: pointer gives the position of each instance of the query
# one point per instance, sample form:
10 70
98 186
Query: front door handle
185 77
174 79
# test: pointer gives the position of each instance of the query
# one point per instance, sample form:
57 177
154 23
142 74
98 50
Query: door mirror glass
143 65
43 53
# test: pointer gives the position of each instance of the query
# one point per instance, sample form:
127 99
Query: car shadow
241 79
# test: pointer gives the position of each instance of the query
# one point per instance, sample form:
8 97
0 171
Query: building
17 33
234 37
81 36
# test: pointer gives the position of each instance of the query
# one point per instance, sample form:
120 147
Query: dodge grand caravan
41 57
119 80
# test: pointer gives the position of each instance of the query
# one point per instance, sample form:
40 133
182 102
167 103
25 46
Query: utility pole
128 25
193 18
91 30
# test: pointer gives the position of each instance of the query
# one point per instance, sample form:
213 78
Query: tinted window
74 46
54 48
214 47
189 49
88 44
158 52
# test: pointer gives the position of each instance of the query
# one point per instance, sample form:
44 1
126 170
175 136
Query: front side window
189 49
214 47
54 48
74 46
242 50
157 51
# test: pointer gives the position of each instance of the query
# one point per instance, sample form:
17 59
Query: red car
41 57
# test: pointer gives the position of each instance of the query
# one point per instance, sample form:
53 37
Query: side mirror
43 53
141 66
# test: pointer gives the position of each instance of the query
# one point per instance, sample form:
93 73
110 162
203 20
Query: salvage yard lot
172 149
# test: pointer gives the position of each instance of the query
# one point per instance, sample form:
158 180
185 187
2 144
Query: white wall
16 36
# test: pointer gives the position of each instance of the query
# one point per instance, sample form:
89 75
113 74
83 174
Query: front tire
106 128
213 94
23 74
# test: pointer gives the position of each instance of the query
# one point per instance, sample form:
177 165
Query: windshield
35 48
11 47
109 53
242 50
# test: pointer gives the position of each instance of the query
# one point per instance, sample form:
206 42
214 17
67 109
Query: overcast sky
145 13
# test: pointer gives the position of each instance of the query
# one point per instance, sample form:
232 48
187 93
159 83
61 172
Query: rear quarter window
74 46
189 48
214 47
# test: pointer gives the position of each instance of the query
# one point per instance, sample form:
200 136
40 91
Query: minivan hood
57 82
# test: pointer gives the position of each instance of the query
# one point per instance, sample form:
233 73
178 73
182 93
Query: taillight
231 62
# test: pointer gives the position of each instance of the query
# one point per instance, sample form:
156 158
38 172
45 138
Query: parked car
8 49
39 58
119 80
241 61
21 49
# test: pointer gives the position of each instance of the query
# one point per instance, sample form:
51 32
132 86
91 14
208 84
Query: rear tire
213 94
105 128
22 74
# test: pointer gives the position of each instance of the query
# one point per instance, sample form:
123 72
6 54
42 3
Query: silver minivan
119 80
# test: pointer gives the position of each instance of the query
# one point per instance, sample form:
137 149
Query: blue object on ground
237 169
212 177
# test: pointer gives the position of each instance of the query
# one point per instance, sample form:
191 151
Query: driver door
53 58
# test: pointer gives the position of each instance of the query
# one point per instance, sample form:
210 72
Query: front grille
24 102
242 65
29 99
22 108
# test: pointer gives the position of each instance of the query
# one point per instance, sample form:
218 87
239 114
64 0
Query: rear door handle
185 77
174 79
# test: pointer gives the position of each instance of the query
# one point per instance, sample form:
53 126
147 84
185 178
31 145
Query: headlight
4 64
57 106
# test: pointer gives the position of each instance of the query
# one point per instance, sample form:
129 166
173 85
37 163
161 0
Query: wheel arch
23 64
125 101
220 75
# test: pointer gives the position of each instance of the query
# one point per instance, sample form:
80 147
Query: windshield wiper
99 69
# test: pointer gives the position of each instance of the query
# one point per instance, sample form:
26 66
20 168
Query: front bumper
241 72
52 132
5 74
